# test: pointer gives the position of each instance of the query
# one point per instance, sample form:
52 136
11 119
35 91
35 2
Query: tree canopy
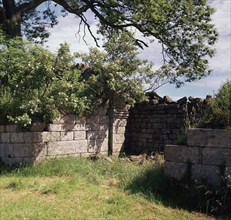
182 27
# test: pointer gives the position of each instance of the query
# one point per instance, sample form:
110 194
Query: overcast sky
66 31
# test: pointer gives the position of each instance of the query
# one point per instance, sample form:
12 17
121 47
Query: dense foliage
218 114
37 85
117 73
182 27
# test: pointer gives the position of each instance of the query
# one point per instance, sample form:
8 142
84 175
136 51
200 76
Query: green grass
79 188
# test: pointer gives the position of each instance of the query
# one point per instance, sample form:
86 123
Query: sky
67 31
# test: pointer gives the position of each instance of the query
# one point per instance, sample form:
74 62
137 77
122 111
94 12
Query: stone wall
149 127
152 126
67 136
159 122
207 156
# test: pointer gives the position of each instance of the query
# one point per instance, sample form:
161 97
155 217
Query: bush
37 85
218 114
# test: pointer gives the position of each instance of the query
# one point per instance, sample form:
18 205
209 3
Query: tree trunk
11 28
10 19
110 129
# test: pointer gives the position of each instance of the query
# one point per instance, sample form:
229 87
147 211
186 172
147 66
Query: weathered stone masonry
159 122
152 126
67 136
207 156
149 127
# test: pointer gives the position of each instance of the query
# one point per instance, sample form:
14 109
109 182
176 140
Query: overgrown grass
79 188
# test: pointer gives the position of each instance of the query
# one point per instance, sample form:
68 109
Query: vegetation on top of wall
218 113
37 85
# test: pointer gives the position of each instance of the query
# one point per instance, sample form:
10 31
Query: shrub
218 114
37 85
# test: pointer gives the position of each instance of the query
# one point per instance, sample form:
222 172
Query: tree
182 27
118 75
37 85
218 113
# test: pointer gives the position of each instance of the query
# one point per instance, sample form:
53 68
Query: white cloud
67 31
222 20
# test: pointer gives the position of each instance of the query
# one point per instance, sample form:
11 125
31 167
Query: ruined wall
207 156
149 127
67 136
153 124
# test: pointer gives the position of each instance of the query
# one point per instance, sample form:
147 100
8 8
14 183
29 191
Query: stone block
93 120
66 147
17 137
119 130
102 111
52 136
5 137
32 137
146 136
92 127
37 137
79 127
207 173
9 150
67 119
103 120
22 150
38 127
97 145
118 138
79 135
120 122
80 120
2 150
209 137
97 134
39 151
11 128
118 147
67 136
158 125
182 154
103 127
55 127
2 128
96 127
121 115
216 156
153 120
7 160
61 127
175 170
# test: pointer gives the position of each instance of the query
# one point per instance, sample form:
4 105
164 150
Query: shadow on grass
6 169
156 187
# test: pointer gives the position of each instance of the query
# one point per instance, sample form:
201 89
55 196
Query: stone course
207 156
158 122
152 126
67 136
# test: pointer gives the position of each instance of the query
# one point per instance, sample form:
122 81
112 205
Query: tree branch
35 3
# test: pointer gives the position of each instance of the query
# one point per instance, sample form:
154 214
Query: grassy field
78 188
